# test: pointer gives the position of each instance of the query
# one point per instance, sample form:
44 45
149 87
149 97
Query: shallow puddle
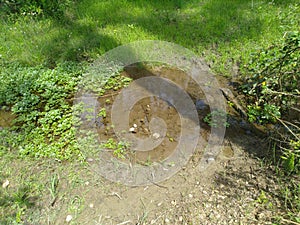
151 107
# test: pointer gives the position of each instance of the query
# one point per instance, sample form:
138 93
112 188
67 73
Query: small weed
171 139
53 187
149 162
102 113
115 83
230 104
76 205
262 198
216 118
119 148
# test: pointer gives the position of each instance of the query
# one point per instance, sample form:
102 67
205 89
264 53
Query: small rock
89 159
69 218
201 104
132 130
156 135
191 196
210 159
134 125
5 184
167 220
221 197
91 205
180 218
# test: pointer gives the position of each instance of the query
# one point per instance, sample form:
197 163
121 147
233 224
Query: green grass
224 31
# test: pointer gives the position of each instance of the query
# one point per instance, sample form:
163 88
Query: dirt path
235 190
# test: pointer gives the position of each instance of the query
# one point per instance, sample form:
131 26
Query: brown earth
234 189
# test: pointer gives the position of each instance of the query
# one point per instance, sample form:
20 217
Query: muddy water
152 107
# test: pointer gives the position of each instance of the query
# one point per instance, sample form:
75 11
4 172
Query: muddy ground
234 189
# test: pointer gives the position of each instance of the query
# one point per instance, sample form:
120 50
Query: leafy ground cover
45 50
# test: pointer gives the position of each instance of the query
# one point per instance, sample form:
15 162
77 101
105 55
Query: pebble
132 130
156 135
5 184
180 218
201 104
69 218
210 159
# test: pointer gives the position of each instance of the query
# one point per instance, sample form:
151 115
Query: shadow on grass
83 34
89 28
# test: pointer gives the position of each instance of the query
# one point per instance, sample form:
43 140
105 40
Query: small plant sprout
118 148
102 113
216 118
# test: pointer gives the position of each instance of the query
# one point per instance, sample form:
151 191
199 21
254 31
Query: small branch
293 108
109 95
125 222
283 93
283 123
290 222
291 124
116 194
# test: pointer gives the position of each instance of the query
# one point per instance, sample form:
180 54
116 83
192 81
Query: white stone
156 135
210 159
69 218
132 129
5 184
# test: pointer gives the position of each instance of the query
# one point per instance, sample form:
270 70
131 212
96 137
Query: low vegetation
272 88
